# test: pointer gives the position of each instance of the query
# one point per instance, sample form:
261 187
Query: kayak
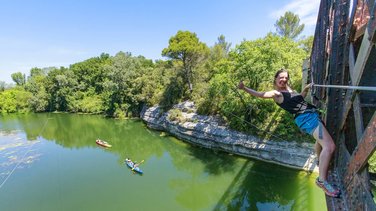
130 164
103 143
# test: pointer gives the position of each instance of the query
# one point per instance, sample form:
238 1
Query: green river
51 162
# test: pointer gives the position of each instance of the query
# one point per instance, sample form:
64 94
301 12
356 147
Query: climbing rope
264 131
364 88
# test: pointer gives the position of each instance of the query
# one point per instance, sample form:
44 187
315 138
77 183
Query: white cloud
306 9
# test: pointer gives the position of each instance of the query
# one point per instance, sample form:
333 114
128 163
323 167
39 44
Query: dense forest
120 86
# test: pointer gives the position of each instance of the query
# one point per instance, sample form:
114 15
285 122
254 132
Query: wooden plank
364 150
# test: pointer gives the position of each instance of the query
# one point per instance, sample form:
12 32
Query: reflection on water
60 167
15 153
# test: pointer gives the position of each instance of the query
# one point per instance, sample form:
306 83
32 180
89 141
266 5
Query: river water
51 162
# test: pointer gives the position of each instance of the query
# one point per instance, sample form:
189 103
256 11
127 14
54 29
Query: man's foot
328 188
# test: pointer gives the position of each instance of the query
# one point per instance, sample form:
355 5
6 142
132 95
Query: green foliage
175 115
85 102
36 72
220 49
121 111
39 101
372 163
186 48
218 54
18 78
36 85
124 84
306 44
14 100
172 94
289 25
61 83
255 62
153 83
91 72
2 85
119 86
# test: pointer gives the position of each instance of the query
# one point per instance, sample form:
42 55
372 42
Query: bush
175 115
15 100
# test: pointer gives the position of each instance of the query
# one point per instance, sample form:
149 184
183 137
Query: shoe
328 188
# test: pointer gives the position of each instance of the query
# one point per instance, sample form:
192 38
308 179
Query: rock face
209 132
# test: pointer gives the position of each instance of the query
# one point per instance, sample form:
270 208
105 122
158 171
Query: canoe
130 165
103 143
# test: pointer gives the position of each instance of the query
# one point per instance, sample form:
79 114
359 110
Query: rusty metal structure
344 53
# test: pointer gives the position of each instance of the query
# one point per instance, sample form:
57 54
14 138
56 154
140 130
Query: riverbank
210 132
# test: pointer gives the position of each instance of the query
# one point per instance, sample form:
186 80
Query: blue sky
37 33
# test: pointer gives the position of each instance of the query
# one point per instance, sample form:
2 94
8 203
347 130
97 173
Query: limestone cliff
209 132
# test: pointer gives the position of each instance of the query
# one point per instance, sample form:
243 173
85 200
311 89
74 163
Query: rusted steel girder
358 197
361 18
372 24
318 57
363 151
337 60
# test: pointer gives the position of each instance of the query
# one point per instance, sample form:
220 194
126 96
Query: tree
36 71
122 89
2 85
306 44
255 62
18 78
186 48
220 49
223 45
36 85
60 83
14 100
91 72
288 25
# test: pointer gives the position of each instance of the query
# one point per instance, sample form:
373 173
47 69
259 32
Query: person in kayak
133 164
306 118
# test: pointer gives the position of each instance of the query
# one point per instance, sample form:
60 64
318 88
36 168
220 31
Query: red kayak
103 143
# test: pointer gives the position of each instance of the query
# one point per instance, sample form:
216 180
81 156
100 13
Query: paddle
134 166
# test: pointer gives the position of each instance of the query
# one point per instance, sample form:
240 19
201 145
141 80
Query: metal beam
356 70
361 60
337 59
358 197
372 24
363 151
358 116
